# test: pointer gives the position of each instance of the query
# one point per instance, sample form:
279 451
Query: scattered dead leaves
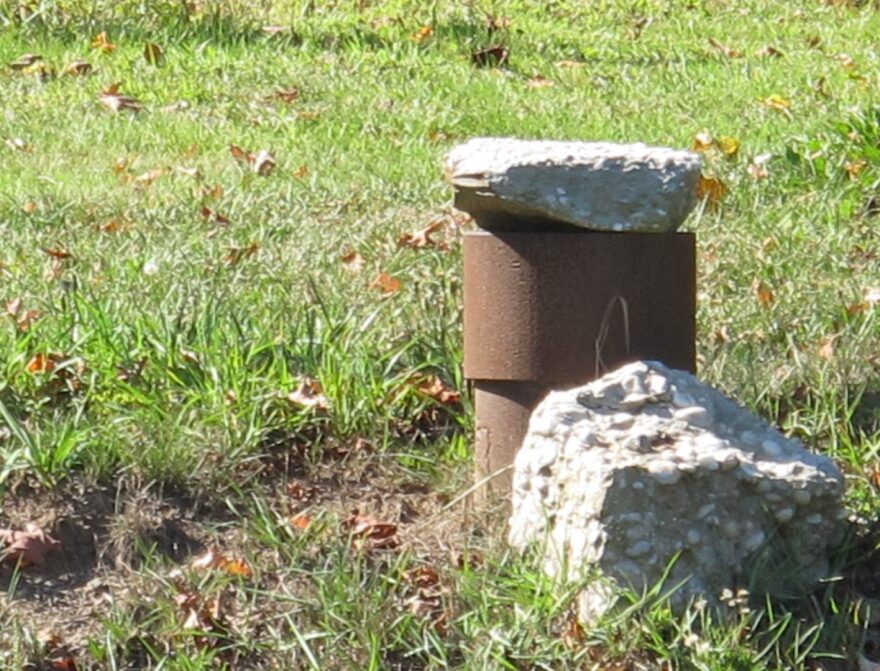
435 388
23 318
214 217
539 82
423 34
27 547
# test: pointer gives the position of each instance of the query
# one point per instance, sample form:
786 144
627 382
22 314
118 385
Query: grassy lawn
230 366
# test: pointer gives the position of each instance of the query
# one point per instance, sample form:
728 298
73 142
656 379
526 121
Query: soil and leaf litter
234 427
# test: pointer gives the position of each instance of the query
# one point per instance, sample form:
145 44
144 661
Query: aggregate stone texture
649 470
594 185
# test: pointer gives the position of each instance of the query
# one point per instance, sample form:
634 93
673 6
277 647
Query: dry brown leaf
30 207
712 190
300 491
369 534
25 61
422 34
437 389
301 172
27 547
826 347
43 363
763 294
730 52
147 178
78 68
214 217
353 261
490 57
116 102
263 163
103 44
309 394
386 283
570 64
288 95
153 54
846 61
539 82
237 254
211 192
421 239
814 41
57 253
769 51
13 307
854 168
301 522
422 577
777 104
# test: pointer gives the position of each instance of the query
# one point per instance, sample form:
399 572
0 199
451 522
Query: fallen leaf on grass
288 95
539 82
763 294
422 34
57 253
702 141
25 61
386 283
301 522
236 255
777 104
769 51
490 57
730 52
103 44
301 172
78 68
826 347
262 162
309 394
214 217
846 61
113 100
422 577
758 166
712 190
153 54
30 207
438 390
23 319
854 168
421 239
369 534
147 178
27 547
569 64
43 363
353 261
212 559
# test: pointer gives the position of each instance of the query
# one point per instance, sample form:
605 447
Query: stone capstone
594 185
648 470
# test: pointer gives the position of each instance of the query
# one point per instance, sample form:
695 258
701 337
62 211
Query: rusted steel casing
551 310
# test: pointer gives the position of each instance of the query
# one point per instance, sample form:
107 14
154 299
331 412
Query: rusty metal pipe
552 309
